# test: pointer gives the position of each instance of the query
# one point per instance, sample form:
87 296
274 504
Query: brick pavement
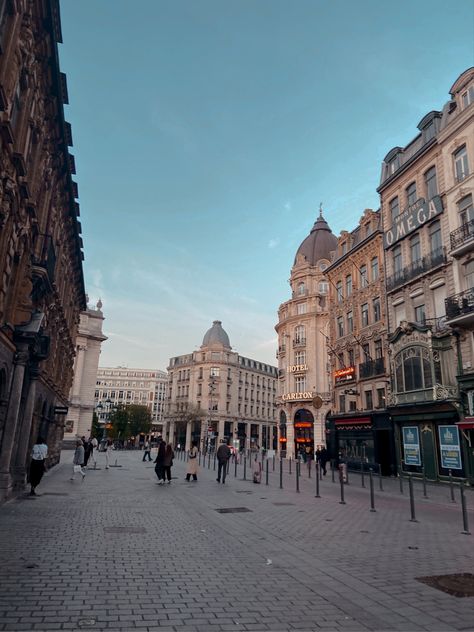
119 552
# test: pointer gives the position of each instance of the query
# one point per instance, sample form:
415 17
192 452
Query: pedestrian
223 456
38 464
87 451
94 445
159 463
147 452
323 458
168 462
257 470
78 460
192 462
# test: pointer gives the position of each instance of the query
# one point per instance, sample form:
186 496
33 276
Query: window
461 165
366 351
301 308
394 208
430 183
365 314
420 315
342 403
436 242
413 370
380 398
200 373
348 285
374 267
340 326
323 287
467 97
339 291
378 349
415 248
301 289
300 383
300 357
364 282
429 131
397 259
352 405
214 372
350 322
299 335
323 266
368 400
376 309
350 357
411 193
466 210
469 275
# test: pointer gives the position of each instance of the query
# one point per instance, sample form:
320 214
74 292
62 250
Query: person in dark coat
38 464
323 459
160 463
168 462
223 456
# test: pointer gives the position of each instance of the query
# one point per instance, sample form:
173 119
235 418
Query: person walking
38 464
159 463
257 469
94 444
167 463
87 451
223 456
192 462
147 452
323 459
78 460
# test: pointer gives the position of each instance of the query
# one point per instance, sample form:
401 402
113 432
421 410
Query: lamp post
100 408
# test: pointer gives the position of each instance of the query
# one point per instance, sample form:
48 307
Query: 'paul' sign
410 220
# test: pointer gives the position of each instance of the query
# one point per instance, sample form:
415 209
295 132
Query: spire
320 211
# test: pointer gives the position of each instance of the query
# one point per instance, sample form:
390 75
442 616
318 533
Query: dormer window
344 248
467 97
429 132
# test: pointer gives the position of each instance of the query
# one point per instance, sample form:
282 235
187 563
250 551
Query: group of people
163 462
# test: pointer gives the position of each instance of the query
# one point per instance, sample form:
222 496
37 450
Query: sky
206 134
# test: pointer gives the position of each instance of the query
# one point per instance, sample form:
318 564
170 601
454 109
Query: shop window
413 370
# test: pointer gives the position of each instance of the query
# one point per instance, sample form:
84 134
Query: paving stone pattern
119 552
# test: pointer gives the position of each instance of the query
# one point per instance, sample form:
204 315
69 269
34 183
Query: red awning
355 421
466 424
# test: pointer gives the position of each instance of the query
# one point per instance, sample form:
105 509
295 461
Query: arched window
413 370
301 289
300 334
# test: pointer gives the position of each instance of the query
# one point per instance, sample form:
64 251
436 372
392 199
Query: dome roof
319 243
216 336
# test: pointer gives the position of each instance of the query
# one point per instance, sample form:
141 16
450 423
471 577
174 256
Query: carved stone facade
41 278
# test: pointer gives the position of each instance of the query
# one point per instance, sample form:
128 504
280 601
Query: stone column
171 433
290 440
187 445
20 463
220 432
260 436
78 370
11 421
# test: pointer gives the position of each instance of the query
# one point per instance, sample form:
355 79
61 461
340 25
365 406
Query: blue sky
207 132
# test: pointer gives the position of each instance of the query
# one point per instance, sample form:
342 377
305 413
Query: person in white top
38 464
94 444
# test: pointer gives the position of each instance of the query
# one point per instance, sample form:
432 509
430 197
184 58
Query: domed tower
303 325
216 336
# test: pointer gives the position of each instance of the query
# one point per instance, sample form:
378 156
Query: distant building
215 395
304 397
124 385
81 400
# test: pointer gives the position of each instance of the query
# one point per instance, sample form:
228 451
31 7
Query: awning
466 424
354 421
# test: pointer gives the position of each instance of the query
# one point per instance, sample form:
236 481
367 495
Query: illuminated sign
296 396
297 368
344 375
282 439
415 216
303 424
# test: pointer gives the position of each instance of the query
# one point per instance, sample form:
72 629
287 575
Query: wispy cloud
273 243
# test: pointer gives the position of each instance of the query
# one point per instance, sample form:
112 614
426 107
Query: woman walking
160 463
192 463
38 464
78 460
167 463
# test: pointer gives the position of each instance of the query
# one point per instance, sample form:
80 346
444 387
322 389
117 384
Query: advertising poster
449 447
411 445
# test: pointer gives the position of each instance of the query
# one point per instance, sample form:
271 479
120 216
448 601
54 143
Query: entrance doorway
304 433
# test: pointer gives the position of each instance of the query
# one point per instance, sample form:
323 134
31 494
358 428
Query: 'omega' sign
415 216
296 368
296 396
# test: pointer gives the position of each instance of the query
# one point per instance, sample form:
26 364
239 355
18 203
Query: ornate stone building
304 399
359 428
41 279
426 197
88 343
215 394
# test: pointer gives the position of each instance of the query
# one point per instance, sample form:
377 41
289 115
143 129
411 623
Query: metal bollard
380 478
451 486
362 474
412 499
281 472
372 495
320 472
214 463
235 467
297 477
465 520
266 472
309 468
317 481
245 468
199 458
209 461
273 462
400 478
332 471
425 495
341 481
228 466
290 464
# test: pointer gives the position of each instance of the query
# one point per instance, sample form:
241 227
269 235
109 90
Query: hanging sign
411 445
449 447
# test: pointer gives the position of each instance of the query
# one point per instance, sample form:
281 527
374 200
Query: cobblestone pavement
119 552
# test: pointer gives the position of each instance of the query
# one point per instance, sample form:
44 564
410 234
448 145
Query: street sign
61 410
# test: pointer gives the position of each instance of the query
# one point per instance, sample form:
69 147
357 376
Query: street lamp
99 408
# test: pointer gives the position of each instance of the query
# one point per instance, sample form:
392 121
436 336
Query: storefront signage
411 445
287 397
297 368
412 218
449 447
344 375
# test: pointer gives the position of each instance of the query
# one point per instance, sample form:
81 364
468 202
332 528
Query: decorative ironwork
426 263
371 368
460 304
462 234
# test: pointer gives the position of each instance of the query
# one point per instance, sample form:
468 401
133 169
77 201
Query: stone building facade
125 385
304 397
359 428
215 395
88 344
425 192
41 278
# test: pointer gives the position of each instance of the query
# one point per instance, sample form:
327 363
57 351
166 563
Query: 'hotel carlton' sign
412 218
287 397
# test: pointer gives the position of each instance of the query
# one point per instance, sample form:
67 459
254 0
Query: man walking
223 456
147 451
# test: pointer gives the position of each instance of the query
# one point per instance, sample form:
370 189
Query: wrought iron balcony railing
371 368
422 265
462 234
460 304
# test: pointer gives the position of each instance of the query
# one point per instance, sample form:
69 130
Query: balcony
462 239
417 268
460 308
371 368
299 342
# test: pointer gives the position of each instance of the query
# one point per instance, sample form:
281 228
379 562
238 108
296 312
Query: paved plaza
119 552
